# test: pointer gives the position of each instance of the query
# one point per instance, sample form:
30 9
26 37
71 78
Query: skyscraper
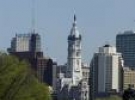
26 43
125 44
35 43
28 47
105 71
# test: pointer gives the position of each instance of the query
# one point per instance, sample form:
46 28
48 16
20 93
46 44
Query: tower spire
74 17
74 54
74 23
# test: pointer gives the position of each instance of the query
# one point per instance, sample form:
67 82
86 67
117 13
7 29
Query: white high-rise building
106 71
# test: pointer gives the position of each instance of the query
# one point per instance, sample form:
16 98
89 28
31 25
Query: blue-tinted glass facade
125 44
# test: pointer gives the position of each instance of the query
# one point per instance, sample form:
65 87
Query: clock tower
74 54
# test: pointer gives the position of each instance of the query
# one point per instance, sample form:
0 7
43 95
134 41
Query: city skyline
96 20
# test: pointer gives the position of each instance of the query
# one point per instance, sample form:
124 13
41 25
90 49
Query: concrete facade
106 73
71 85
128 78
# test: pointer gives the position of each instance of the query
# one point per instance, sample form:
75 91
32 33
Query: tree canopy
17 81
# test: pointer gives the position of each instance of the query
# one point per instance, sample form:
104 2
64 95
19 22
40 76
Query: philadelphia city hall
70 83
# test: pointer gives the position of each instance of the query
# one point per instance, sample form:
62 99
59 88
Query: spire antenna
33 16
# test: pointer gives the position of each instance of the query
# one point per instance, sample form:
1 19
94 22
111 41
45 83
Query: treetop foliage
17 82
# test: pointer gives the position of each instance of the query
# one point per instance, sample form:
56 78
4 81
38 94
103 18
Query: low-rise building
85 72
128 78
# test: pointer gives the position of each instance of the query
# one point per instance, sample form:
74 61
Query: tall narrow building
74 54
70 83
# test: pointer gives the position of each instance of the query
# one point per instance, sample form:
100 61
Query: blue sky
98 21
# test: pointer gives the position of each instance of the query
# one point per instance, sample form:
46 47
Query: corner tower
74 54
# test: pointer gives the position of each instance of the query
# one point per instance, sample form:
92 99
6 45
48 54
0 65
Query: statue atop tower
74 33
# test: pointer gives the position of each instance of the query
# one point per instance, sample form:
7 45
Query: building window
77 53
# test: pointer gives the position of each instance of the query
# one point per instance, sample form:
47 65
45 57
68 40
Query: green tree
17 82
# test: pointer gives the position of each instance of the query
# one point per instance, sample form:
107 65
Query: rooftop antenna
33 16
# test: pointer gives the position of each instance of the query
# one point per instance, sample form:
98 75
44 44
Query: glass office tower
125 44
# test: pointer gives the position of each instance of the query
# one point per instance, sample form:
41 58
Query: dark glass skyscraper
125 44
35 43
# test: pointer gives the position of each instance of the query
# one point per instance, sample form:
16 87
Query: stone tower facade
74 54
